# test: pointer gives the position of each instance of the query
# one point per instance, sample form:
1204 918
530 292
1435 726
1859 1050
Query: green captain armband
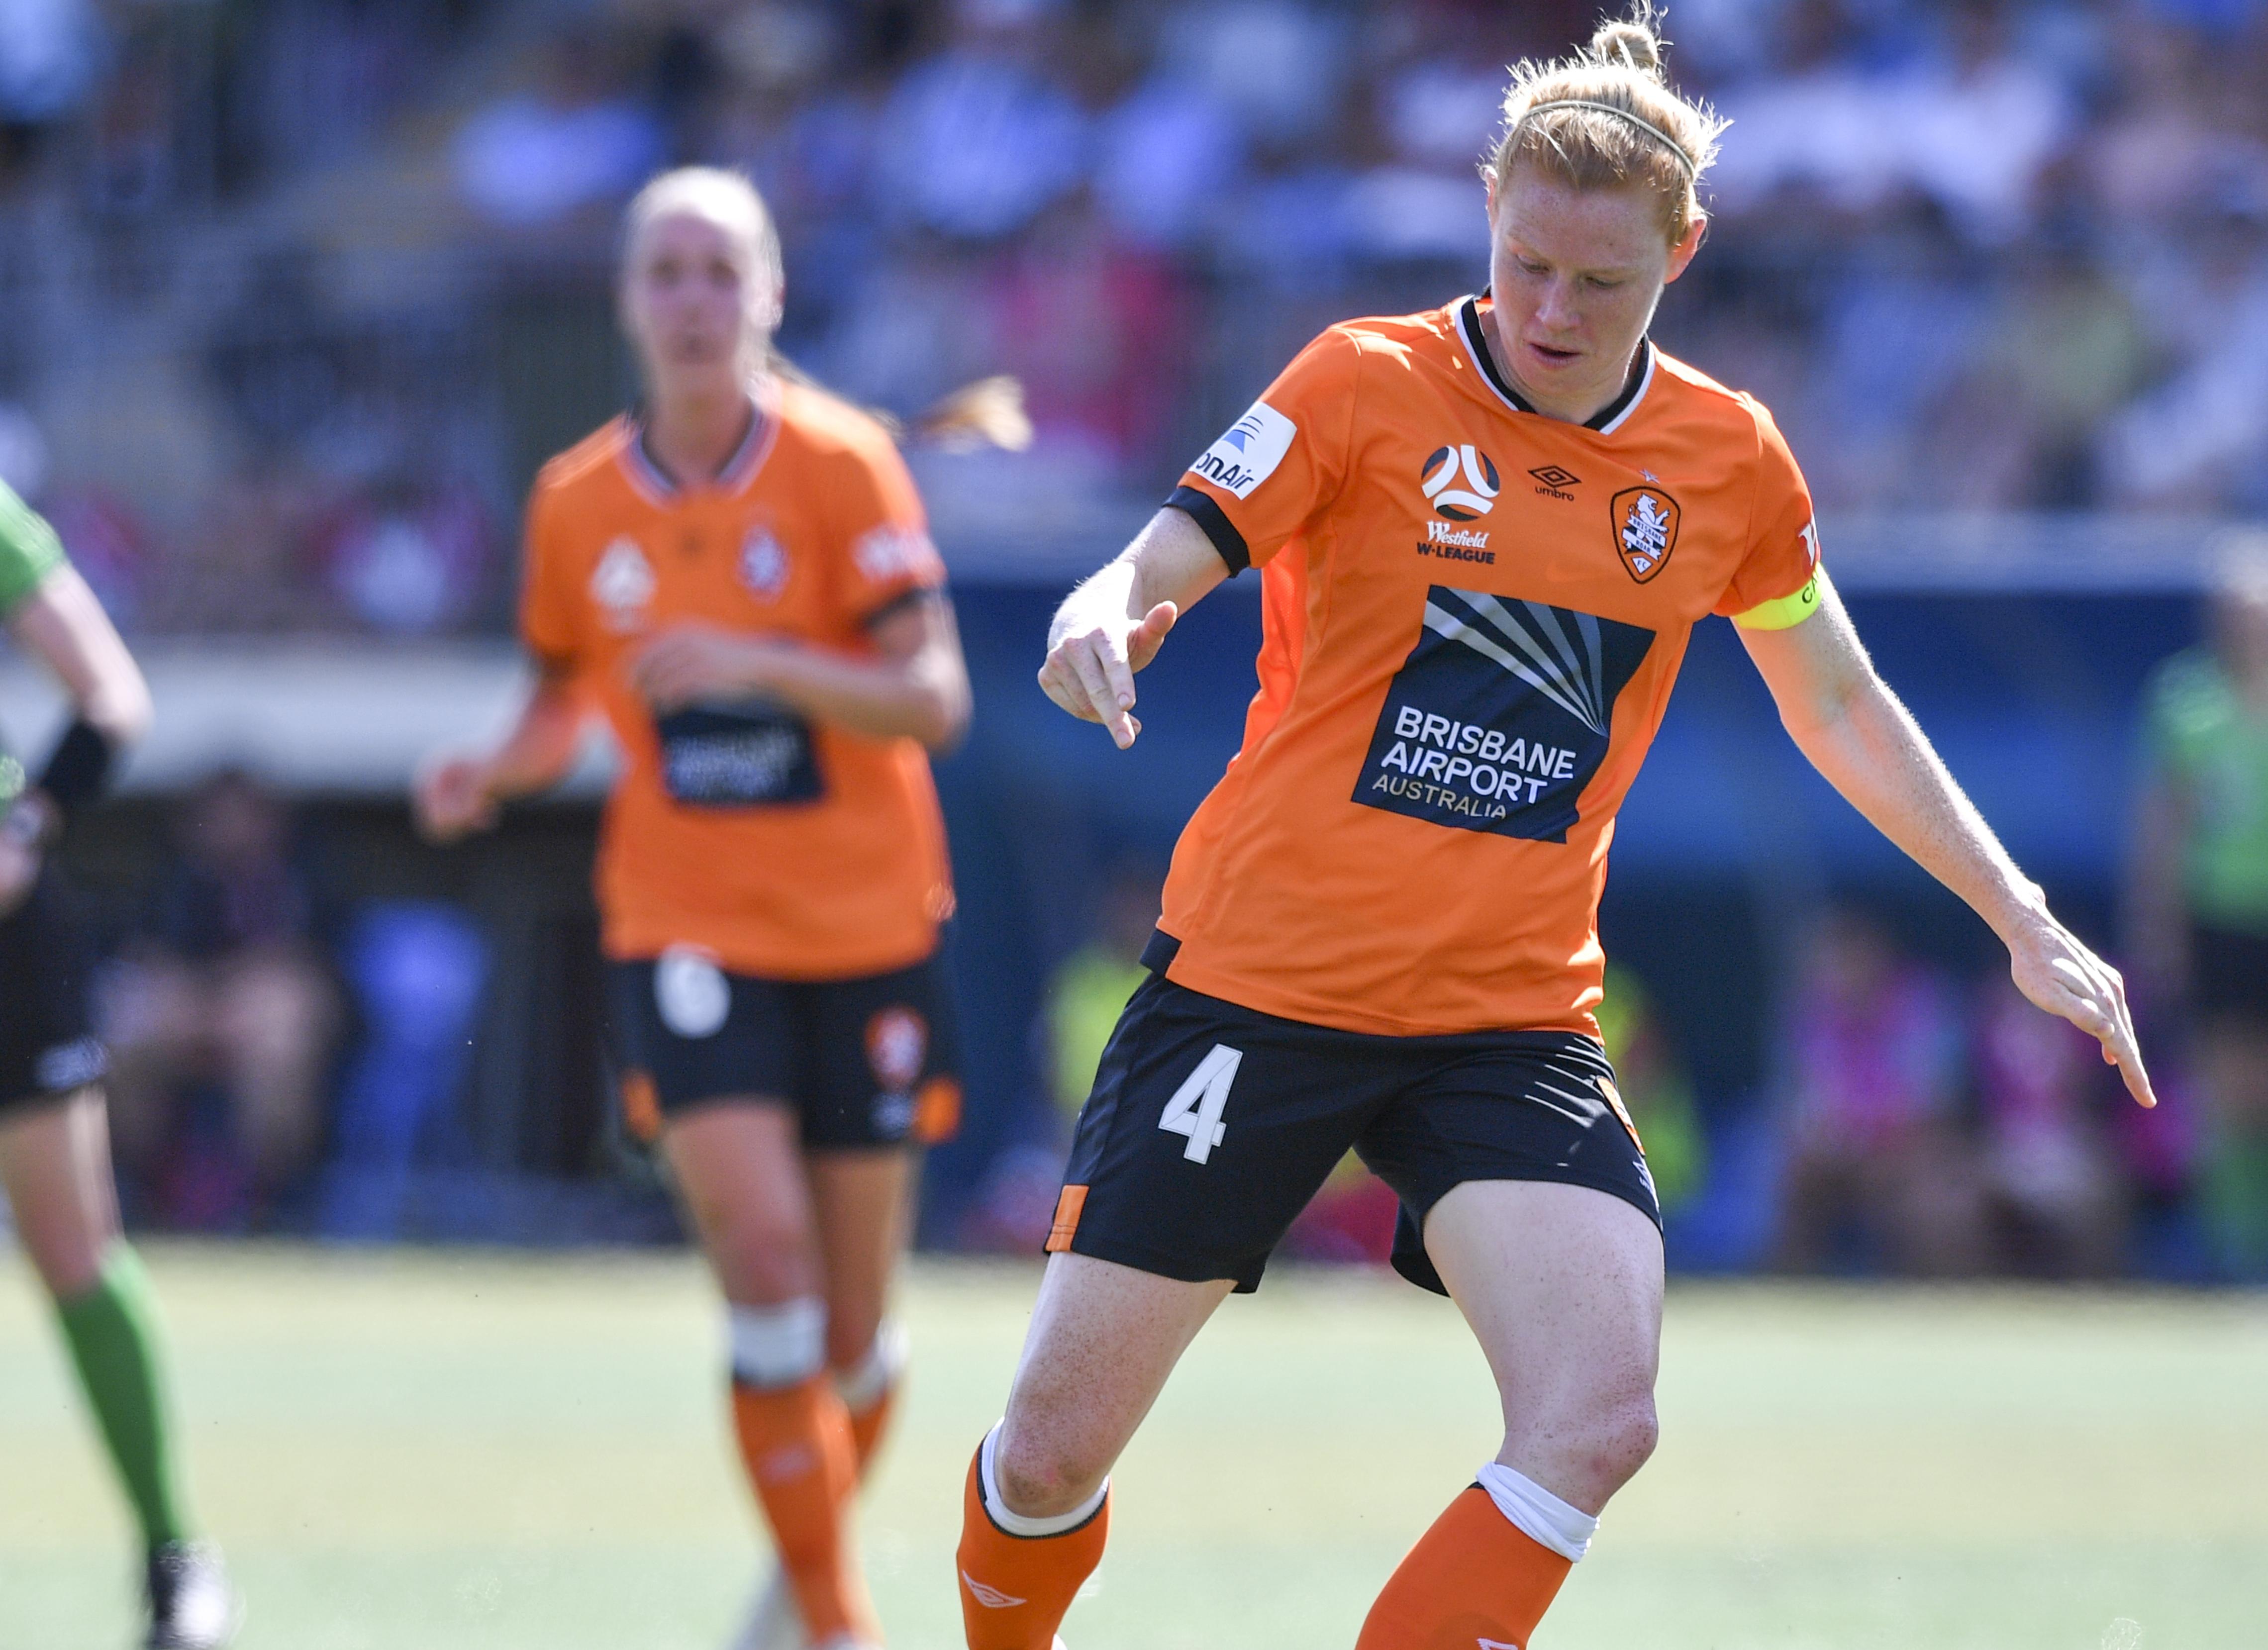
1786 612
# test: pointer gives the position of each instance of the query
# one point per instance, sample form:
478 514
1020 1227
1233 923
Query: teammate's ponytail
1605 117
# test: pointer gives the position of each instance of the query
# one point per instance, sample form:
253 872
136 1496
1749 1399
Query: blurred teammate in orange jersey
738 579
1485 532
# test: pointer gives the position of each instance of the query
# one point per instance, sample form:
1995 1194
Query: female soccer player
738 579
1486 532
55 1134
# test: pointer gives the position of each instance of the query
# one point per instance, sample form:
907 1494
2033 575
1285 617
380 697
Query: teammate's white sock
780 1345
864 1383
1537 1513
1016 1523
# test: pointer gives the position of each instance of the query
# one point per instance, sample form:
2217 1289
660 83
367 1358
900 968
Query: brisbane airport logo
1500 715
1249 451
1646 529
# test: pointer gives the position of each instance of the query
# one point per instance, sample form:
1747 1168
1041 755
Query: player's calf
795 1439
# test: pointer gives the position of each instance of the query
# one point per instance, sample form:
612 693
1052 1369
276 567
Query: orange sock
1015 1588
1474 1578
796 1441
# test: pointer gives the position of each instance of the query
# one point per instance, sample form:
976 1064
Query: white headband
1643 124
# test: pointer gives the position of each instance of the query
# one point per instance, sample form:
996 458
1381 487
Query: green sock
114 1341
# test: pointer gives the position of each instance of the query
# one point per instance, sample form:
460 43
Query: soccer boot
772 1623
192 1605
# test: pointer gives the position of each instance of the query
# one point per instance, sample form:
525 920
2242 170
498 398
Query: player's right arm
1112 624
457 795
1243 500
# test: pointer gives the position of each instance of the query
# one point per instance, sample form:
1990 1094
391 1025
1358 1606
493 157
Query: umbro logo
1556 481
993 1598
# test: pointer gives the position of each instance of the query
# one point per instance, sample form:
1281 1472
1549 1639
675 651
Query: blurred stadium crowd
296 294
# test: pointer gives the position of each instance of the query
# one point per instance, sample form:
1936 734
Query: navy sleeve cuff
1200 508
912 596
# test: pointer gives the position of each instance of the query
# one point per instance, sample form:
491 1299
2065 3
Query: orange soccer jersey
789 849
1472 618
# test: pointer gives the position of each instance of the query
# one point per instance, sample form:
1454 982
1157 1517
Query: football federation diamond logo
1459 483
1500 715
1646 529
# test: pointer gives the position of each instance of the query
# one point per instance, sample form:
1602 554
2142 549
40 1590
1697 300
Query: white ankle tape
1537 1513
1016 1523
864 1384
779 1346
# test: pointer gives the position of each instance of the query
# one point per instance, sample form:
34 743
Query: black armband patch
79 769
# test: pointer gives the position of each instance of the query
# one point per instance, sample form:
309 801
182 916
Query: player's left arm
59 622
62 625
1854 729
915 683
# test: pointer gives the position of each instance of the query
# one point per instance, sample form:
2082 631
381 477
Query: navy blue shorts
1211 1126
864 1062
47 1049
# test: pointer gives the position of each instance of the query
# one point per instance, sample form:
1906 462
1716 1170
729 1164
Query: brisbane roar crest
1646 529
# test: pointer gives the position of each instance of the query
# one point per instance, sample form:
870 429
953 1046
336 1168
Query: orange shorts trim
1068 1208
937 1110
641 1107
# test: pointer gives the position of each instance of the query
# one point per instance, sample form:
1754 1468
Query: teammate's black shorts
1211 1126
867 1061
47 1048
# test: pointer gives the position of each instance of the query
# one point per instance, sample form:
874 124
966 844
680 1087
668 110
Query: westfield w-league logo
1461 483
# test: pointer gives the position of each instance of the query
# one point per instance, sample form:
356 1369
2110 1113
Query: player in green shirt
55 1142
2201 891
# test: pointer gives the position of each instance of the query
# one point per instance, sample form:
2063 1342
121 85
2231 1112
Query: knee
1618 1437
1039 1473
762 1259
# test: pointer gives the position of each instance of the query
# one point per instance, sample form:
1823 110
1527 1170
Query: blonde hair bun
1631 42
1607 117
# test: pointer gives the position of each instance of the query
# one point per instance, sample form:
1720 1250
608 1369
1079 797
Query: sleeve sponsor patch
1249 451
889 552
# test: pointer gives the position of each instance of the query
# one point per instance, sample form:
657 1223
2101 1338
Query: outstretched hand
2059 974
452 798
1090 669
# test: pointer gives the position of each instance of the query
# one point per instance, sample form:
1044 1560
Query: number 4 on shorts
1196 1107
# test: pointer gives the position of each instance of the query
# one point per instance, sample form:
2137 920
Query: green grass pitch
450 1450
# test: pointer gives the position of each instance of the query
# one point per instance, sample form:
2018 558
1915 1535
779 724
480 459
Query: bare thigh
1563 1287
860 1202
55 1165
1102 1341
739 1173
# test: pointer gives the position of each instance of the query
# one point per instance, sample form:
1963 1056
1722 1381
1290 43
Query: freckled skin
1575 276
